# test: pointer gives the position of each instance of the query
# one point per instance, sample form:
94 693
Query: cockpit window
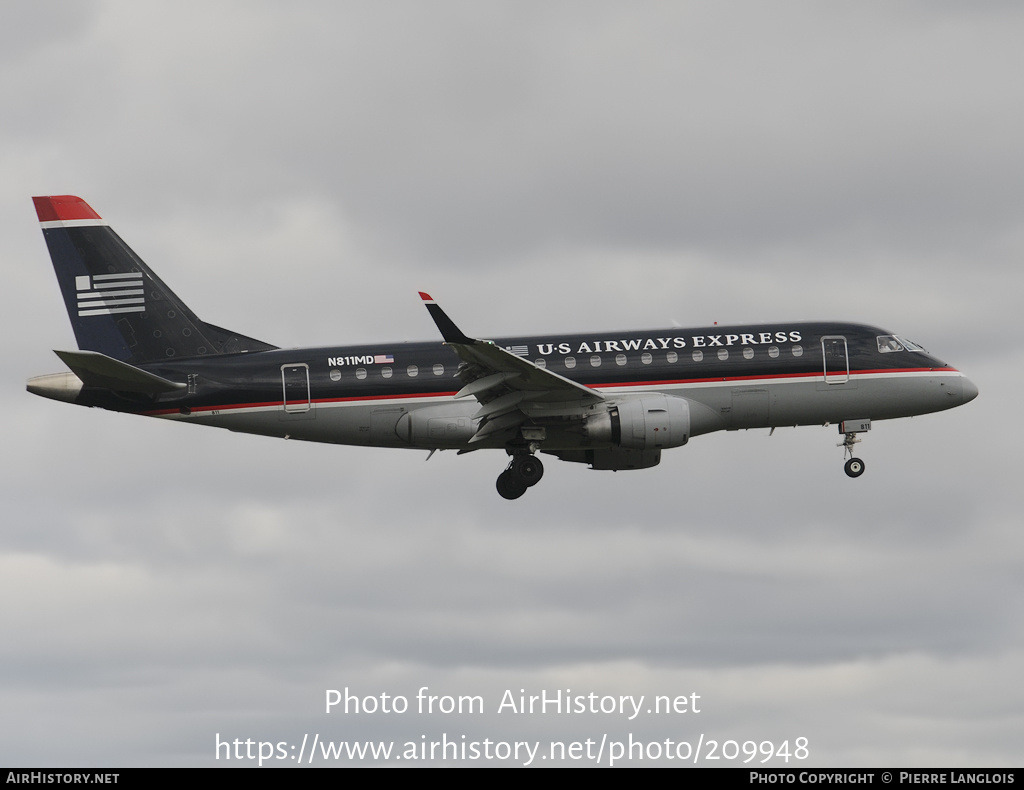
889 343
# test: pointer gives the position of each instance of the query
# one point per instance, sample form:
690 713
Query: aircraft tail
118 307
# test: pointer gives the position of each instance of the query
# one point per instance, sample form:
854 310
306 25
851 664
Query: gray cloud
299 173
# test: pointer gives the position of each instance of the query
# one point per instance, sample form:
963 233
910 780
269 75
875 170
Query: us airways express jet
613 400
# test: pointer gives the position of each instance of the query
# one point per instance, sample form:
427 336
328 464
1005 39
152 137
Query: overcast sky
296 172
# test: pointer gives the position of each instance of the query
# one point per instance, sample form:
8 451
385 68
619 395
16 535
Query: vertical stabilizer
117 305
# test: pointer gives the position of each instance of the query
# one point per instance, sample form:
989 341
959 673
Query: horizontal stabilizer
99 370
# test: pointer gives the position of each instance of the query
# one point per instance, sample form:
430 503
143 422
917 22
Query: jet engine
651 422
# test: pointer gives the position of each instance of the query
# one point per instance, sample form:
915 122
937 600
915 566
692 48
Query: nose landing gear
855 466
524 470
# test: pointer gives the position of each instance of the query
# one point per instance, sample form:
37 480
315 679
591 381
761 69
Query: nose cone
969 390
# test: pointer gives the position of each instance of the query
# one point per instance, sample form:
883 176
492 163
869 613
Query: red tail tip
63 207
426 297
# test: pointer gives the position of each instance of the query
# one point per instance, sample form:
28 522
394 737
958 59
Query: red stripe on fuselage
763 377
661 383
230 406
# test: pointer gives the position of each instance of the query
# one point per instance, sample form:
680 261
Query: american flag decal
519 351
104 294
383 359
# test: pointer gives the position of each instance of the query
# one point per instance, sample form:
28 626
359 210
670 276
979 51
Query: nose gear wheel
855 466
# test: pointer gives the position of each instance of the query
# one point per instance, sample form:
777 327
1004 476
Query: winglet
450 332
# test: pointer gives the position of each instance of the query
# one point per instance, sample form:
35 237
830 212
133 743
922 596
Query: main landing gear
523 471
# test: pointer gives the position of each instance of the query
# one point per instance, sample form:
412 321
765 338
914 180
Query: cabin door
295 386
837 360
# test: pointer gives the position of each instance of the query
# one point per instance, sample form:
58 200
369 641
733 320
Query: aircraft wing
510 389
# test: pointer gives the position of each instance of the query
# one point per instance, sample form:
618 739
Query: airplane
612 400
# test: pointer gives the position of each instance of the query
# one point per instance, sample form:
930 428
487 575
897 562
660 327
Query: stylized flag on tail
104 294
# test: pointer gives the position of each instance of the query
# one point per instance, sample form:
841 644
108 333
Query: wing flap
485 383
506 403
505 422
511 390
545 385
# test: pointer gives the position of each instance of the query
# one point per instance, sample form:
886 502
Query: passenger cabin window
386 372
672 357
570 362
646 358
335 375
723 354
541 363
438 369
698 355
413 371
748 353
773 352
595 361
360 373
620 359
798 351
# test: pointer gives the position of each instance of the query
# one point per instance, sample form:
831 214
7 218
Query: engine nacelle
614 459
649 422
